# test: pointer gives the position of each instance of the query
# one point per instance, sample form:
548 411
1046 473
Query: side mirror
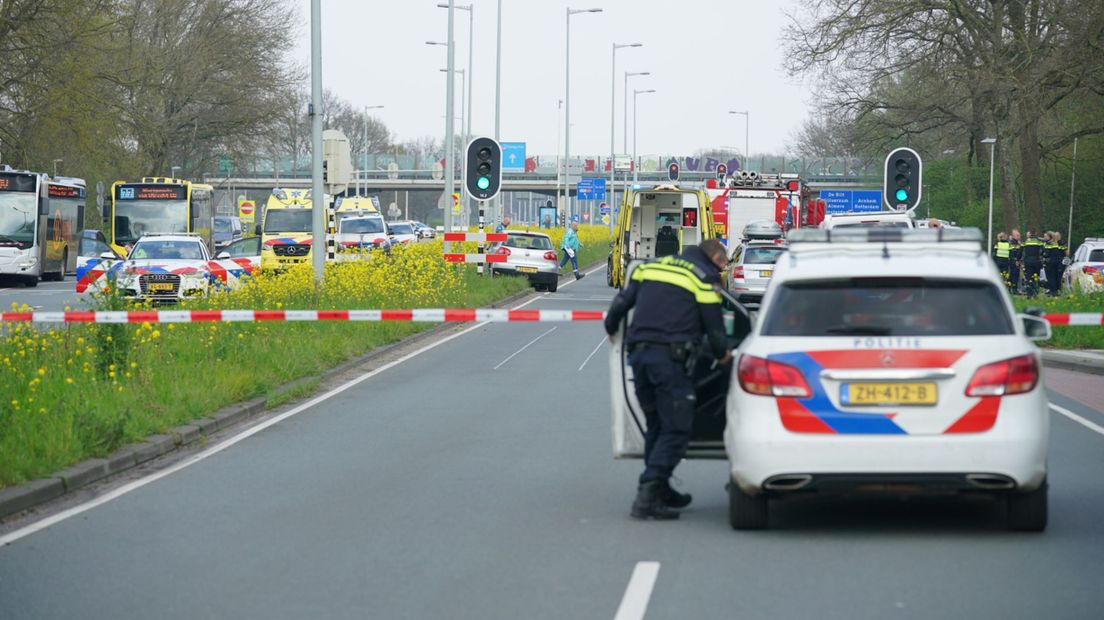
1036 328
1035 311
109 256
223 255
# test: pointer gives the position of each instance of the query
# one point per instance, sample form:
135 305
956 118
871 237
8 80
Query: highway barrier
417 315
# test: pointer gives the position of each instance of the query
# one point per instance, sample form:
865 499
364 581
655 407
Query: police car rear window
1096 256
887 307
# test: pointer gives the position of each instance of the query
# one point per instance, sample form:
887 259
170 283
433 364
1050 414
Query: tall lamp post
636 167
498 98
613 124
56 162
567 102
747 124
625 129
364 167
450 114
992 142
464 112
172 171
318 218
1073 186
471 38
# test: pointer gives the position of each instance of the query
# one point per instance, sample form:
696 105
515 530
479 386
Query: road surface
47 296
474 480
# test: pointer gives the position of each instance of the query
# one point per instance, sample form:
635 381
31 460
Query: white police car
888 359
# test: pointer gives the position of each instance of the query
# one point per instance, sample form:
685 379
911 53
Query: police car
166 268
888 359
1086 271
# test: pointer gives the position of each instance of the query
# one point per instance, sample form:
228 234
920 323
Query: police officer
1015 260
1054 254
1001 252
1032 263
676 305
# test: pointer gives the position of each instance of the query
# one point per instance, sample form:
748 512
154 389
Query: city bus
32 247
158 205
64 222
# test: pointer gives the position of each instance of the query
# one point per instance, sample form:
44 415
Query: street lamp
613 124
172 171
471 38
636 167
450 138
992 142
464 112
567 99
747 153
625 132
364 168
56 162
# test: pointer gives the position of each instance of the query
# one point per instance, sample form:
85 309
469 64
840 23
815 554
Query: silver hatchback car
531 255
751 269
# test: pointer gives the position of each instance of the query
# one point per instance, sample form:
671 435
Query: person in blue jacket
570 248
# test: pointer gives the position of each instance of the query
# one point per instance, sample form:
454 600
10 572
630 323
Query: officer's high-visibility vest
1003 249
1033 250
678 272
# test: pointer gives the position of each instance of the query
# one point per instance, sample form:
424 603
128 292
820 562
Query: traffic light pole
318 195
482 243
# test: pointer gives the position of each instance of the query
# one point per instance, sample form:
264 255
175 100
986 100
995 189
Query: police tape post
414 315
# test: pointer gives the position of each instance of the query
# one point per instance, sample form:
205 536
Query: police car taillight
550 255
1012 376
770 378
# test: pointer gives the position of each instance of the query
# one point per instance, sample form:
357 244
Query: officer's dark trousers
1054 277
1014 276
1031 277
668 399
1002 266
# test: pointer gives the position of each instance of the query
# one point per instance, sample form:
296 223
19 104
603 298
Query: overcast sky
706 57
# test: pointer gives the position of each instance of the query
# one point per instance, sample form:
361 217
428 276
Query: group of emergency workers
1022 262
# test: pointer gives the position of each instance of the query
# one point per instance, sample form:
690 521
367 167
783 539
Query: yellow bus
157 205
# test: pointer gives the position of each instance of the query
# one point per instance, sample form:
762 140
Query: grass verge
82 390
1068 336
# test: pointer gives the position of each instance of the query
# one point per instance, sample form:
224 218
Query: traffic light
484 168
901 188
673 171
722 171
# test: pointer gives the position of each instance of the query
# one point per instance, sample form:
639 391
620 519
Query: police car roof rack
885 235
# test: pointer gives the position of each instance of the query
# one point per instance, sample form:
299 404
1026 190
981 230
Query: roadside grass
84 390
1065 336
294 392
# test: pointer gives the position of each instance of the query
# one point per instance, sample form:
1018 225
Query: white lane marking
1089 424
586 273
635 602
592 353
531 343
11 537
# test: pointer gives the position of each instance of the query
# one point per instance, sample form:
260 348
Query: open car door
96 263
710 379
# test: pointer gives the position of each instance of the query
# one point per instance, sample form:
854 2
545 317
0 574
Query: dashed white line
13 536
515 353
1089 424
592 353
634 604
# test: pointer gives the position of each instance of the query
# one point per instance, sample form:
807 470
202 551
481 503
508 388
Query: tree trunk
1032 174
1009 209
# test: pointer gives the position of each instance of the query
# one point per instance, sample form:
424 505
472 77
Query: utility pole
567 107
613 123
318 194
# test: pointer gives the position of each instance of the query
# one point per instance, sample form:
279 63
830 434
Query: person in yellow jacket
1002 252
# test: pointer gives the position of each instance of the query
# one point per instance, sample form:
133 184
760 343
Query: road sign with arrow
513 156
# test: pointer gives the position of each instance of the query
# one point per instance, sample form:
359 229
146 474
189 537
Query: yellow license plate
527 269
874 394
766 274
160 286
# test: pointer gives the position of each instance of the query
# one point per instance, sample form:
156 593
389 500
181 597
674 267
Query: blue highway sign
591 189
513 156
851 201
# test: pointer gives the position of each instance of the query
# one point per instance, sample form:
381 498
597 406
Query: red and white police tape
475 258
1076 318
419 315
466 236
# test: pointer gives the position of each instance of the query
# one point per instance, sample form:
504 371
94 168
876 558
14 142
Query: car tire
746 512
609 272
30 281
553 285
1027 512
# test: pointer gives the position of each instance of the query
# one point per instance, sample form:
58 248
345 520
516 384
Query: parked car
531 255
1085 273
359 234
171 268
228 229
401 232
424 231
751 269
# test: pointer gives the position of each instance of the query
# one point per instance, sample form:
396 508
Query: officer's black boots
651 502
674 499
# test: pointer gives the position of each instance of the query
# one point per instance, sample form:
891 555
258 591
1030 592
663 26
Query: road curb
1077 361
16 499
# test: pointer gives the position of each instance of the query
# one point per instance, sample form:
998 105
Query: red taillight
738 272
503 250
1090 269
1013 376
550 255
769 378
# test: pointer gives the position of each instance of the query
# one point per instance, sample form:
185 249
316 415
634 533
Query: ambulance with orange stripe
883 360
286 229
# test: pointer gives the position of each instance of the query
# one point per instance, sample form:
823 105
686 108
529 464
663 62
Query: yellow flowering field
75 391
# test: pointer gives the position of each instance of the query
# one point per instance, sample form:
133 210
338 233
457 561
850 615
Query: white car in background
888 360
357 235
885 219
1085 273
401 233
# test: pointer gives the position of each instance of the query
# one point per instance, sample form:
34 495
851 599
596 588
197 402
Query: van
655 222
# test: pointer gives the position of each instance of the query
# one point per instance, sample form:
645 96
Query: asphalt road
47 296
474 480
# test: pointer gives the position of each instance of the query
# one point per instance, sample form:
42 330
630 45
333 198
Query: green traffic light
902 195
484 183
